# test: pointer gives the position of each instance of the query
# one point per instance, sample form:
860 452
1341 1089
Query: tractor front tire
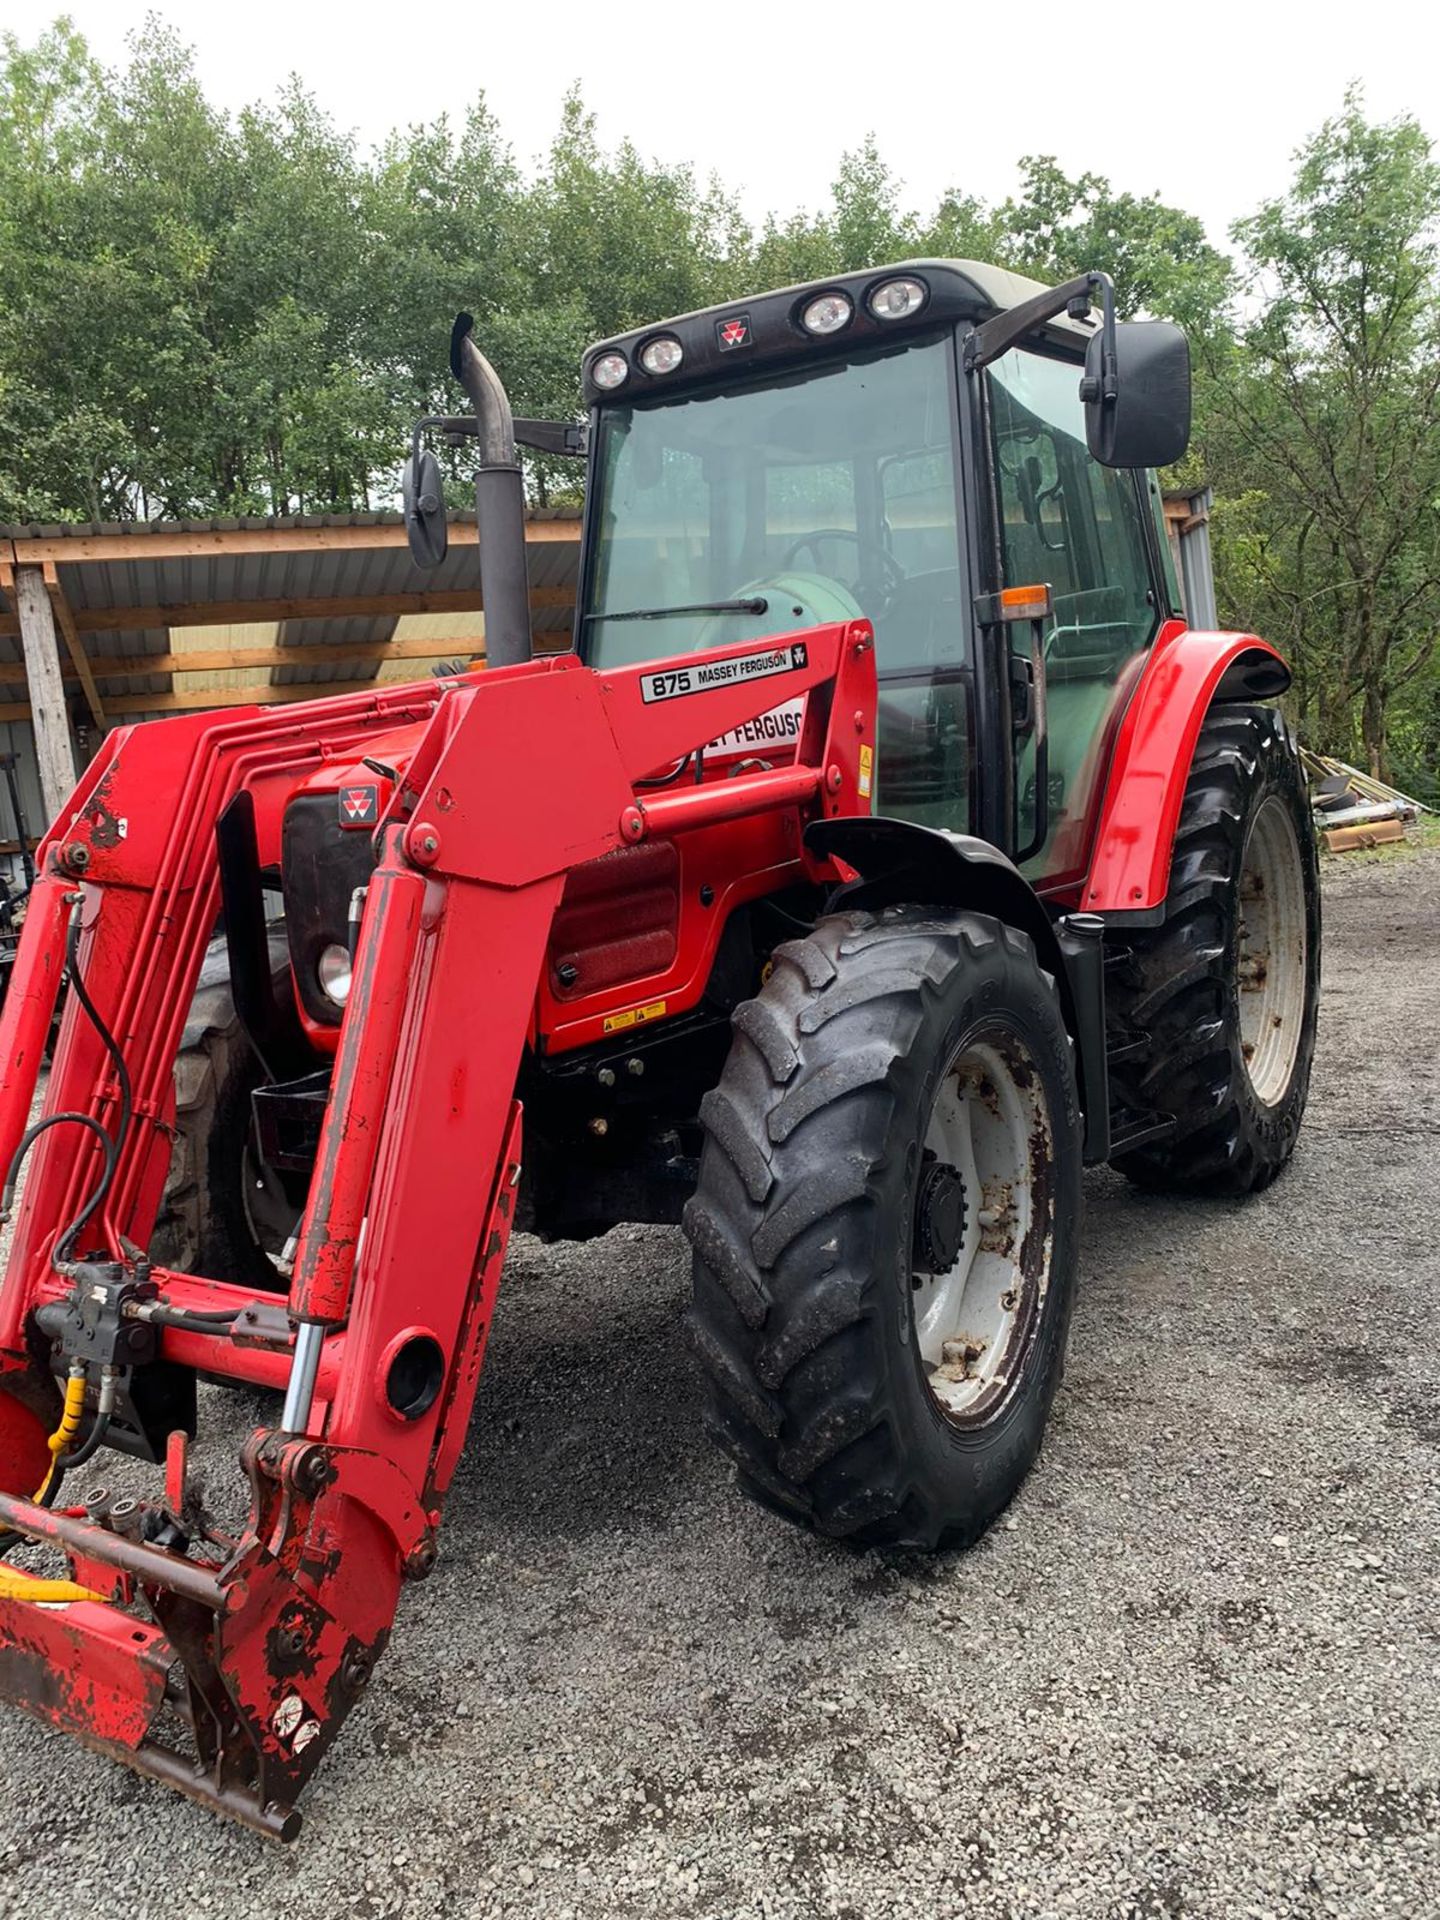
885 1227
1227 987
221 1214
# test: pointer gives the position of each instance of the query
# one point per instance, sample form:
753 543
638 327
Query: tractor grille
321 863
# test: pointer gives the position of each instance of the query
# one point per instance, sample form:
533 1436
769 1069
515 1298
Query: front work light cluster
891 300
659 356
823 314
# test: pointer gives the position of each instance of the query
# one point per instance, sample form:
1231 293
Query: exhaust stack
499 504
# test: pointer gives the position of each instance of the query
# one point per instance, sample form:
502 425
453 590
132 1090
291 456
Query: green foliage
1158 257
1325 425
205 313
202 313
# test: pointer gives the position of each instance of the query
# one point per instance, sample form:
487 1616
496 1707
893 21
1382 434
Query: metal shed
107 624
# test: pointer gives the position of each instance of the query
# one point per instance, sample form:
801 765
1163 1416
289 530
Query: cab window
1067 521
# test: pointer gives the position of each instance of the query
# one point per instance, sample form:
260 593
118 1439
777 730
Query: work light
609 371
828 313
897 299
662 355
334 970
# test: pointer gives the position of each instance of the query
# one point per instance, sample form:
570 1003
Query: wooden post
53 751
65 620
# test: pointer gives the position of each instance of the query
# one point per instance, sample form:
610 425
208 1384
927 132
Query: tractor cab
908 445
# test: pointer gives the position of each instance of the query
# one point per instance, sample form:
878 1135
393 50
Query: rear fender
1186 675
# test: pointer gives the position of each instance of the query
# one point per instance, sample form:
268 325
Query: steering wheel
894 573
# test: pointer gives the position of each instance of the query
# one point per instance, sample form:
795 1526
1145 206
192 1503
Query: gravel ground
1194 1673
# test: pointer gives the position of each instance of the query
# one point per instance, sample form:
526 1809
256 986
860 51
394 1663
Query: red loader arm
521 774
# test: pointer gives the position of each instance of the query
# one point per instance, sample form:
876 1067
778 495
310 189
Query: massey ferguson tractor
886 849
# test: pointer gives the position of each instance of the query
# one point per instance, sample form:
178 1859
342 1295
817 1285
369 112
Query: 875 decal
705 675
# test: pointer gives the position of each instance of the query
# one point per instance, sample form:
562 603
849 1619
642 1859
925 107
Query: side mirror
423 494
1137 409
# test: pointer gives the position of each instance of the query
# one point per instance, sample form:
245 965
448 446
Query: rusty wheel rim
984 1227
1271 953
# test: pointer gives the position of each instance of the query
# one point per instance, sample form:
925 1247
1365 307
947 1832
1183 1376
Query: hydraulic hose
189 1320
65 1245
71 1414
111 1148
23 1586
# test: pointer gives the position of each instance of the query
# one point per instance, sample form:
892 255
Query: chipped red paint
508 780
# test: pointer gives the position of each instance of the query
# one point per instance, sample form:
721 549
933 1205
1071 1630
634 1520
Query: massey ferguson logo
359 806
734 332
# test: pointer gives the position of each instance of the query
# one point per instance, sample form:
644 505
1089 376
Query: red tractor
886 849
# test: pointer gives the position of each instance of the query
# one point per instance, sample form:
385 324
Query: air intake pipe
499 504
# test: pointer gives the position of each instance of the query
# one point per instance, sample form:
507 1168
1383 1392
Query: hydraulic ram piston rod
304 1369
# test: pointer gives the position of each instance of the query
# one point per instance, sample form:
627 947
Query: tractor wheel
223 1212
885 1227
1227 987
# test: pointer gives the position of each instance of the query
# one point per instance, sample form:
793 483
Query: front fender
900 863
1186 674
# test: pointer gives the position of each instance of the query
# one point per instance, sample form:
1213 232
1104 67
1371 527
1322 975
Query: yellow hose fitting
73 1414
25 1586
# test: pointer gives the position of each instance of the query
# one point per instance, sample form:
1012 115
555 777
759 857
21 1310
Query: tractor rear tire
889 1060
1227 986
220 1214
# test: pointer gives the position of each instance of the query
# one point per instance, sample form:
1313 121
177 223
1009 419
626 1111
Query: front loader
885 849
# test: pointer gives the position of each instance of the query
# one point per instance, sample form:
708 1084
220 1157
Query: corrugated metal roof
140 529
253 580
135 574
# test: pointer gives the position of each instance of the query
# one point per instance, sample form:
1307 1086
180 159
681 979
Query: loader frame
260 1642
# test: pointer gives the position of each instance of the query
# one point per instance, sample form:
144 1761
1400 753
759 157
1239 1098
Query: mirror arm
453 426
998 334
1109 384
564 437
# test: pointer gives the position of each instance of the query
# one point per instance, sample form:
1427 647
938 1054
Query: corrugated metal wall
18 737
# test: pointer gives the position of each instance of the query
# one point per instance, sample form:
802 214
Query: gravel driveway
1193 1673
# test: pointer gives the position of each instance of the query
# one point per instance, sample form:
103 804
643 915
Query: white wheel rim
1271 953
975 1318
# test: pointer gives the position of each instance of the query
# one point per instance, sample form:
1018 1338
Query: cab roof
772 332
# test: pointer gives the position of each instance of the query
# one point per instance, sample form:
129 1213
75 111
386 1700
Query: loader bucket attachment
224 1663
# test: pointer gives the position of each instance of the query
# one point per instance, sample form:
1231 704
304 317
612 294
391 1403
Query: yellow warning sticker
867 766
633 1016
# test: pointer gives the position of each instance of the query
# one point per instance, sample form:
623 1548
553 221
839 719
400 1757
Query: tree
863 226
1158 256
1328 416
203 312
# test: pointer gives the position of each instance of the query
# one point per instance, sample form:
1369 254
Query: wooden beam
265 696
318 654
219 697
174 543
239 613
74 645
46 705
131 666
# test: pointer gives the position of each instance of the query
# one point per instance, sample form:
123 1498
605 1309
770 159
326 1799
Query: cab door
1083 530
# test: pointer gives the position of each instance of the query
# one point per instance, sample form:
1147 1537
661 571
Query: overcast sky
1204 103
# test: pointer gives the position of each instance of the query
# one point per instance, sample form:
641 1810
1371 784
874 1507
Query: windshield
826 495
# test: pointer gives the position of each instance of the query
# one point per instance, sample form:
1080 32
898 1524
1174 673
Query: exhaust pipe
499 504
